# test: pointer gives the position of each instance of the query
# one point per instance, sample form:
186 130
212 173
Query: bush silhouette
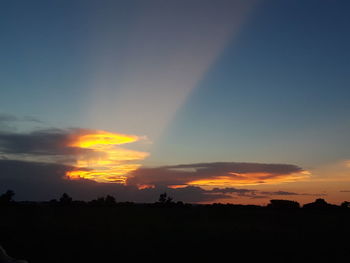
104 201
164 199
283 204
110 200
319 204
345 204
65 199
7 197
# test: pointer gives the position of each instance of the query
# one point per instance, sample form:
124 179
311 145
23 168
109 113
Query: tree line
164 200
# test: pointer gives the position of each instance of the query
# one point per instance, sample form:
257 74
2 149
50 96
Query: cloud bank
216 174
45 181
41 165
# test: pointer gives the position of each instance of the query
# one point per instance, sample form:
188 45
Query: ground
89 233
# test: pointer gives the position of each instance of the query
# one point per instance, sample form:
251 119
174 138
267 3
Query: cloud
7 117
43 142
284 193
6 122
231 190
44 181
4 117
217 174
31 119
86 163
259 197
279 193
95 154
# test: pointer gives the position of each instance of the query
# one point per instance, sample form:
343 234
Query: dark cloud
231 190
7 117
239 167
6 122
279 193
259 196
48 142
10 123
43 142
31 119
4 117
194 194
44 181
185 173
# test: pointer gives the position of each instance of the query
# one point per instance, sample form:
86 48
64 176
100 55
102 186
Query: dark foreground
80 233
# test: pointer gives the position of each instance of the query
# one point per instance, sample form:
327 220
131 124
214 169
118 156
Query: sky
210 101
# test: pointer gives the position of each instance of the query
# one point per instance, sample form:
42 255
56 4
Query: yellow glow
106 161
250 179
102 138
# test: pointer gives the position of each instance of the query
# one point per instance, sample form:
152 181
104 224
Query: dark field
85 233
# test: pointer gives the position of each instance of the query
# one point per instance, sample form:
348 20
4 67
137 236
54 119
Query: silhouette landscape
67 230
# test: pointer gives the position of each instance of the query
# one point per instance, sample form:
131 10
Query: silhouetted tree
53 202
110 200
320 201
180 203
7 197
319 204
65 199
100 201
345 204
169 200
283 204
164 199
103 201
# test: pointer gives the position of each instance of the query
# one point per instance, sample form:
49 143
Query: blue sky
205 81
279 90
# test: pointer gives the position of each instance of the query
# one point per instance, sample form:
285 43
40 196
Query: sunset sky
210 101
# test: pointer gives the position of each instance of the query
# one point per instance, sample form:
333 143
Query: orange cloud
236 179
95 154
98 138
106 161
221 174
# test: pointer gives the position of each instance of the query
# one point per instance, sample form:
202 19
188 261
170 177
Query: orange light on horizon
347 163
106 161
239 179
178 186
145 186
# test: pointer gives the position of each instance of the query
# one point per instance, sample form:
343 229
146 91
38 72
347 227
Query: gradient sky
197 81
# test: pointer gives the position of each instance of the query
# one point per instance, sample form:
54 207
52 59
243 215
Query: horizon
164 200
